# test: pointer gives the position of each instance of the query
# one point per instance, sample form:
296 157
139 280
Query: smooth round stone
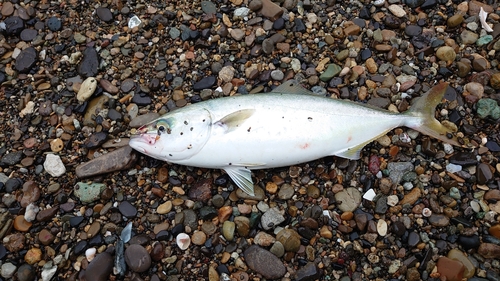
277 249
277 75
28 34
164 208
104 14
199 238
20 224
446 53
455 20
264 262
127 210
26 273
228 230
137 258
290 239
46 237
54 24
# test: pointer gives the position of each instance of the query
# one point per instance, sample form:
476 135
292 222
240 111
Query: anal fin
242 177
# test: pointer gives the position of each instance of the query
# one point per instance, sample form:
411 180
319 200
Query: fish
285 127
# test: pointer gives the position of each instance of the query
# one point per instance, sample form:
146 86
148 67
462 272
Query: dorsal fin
291 87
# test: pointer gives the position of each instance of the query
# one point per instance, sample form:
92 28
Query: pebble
397 10
228 228
25 272
119 159
54 165
46 237
450 269
26 60
271 218
33 256
87 89
89 192
8 270
264 262
308 272
446 53
350 199
100 268
263 239
290 239
137 258
21 224
183 241
89 64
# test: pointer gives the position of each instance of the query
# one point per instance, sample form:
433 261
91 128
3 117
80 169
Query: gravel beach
77 78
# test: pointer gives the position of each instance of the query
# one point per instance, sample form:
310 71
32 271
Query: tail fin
424 108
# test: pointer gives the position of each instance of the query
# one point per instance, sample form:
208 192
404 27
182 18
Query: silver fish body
285 127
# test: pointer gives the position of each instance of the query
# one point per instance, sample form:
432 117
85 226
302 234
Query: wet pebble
264 262
137 258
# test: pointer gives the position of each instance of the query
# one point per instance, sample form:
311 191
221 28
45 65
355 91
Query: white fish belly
291 132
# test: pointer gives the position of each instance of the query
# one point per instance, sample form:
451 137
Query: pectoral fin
242 177
235 119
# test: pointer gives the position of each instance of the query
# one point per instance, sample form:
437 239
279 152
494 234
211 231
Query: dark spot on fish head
310 119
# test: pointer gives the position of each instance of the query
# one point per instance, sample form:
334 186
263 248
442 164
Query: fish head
175 136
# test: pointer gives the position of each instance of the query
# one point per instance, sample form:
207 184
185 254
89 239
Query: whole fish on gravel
287 126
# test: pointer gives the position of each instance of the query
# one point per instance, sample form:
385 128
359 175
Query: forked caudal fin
424 108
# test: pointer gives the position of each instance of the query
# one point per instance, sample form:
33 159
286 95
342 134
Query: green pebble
484 40
454 193
89 192
488 107
342 55
410 176
331 71
254 219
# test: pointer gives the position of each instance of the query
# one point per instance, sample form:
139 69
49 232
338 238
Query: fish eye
162 127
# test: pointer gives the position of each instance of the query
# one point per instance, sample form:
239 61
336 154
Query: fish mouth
147 138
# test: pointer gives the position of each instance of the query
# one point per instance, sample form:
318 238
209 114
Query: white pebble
134 22
31 211
448 148
397 10
382 227
379 3
54 165
183 240
475 206
87 89
369 195
392 200
28 109
453 168
426 212
90 254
